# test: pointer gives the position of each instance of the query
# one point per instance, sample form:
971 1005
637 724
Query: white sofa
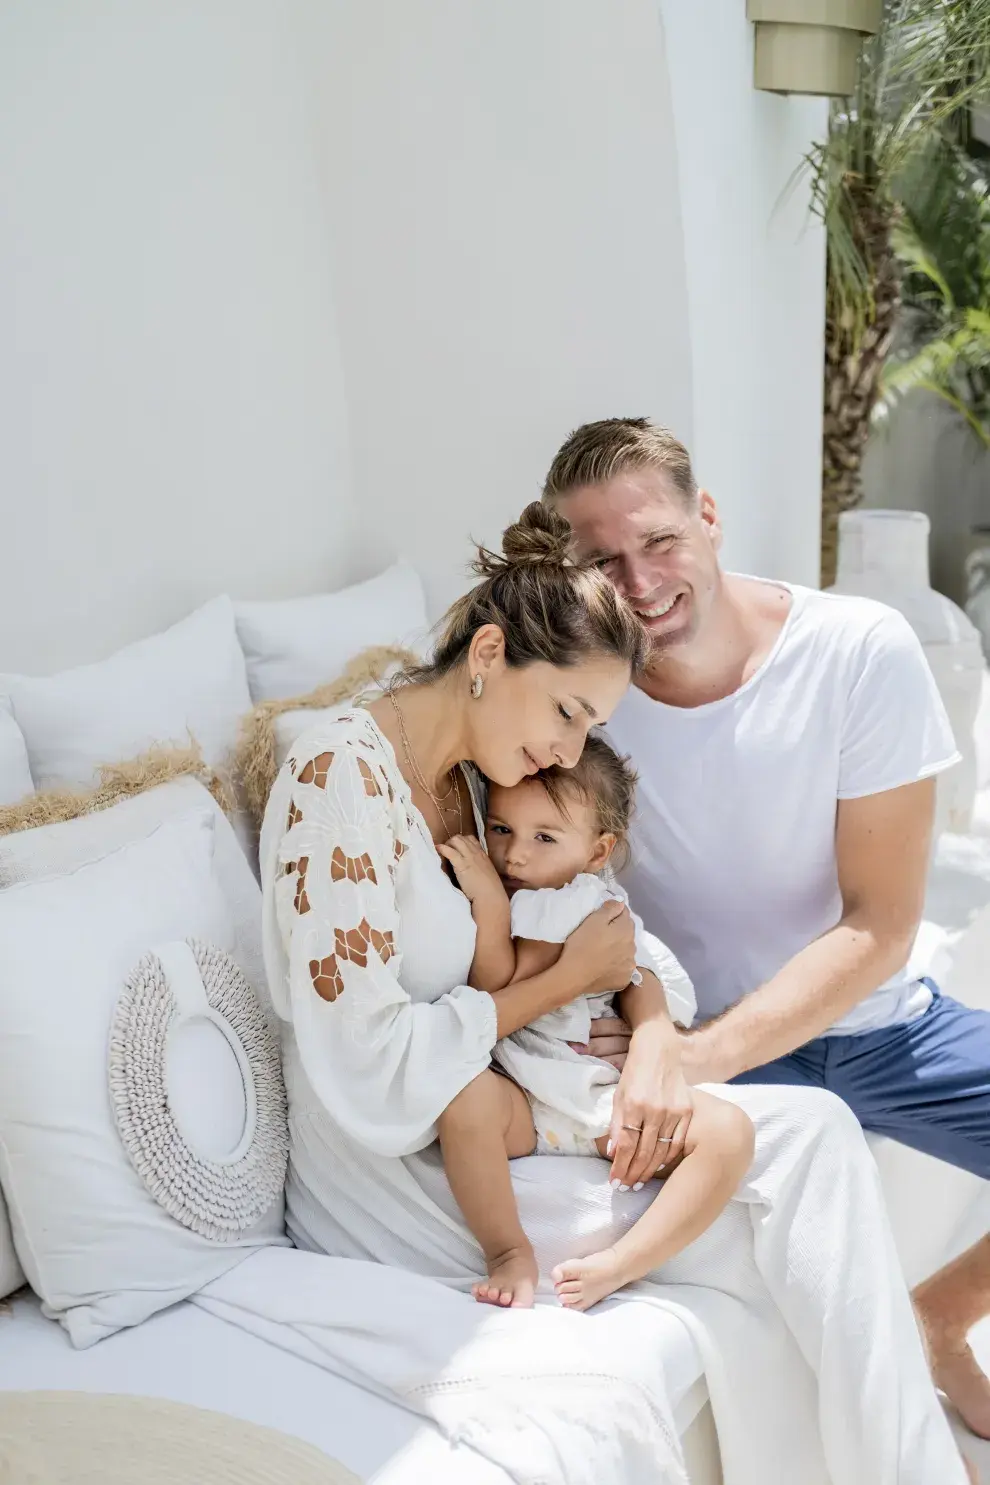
190 1356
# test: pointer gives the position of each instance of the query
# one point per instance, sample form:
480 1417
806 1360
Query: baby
550 841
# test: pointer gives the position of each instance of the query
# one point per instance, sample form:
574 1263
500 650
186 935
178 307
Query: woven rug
78 1438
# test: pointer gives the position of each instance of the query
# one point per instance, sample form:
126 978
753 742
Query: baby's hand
476 876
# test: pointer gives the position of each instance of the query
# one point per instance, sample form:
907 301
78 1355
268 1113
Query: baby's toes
570 1269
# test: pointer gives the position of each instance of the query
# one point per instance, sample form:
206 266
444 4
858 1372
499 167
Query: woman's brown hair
549 605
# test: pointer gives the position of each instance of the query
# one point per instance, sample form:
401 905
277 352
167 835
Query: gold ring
636 1128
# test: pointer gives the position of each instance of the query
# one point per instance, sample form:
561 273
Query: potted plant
917 78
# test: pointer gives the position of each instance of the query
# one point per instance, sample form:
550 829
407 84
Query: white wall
756 287
288 287
507 249
171 408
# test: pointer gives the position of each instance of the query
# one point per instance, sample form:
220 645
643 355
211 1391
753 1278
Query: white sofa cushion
15 771
287 726
92 1239
55 850
295 645
11 1273
188 679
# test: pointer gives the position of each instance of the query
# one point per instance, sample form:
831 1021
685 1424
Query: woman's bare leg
488 1123
717 1156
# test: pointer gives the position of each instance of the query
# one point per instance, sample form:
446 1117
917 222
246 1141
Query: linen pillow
89 1226
15 783
271 728
55 850
188 679
11 1273
15 771
297 644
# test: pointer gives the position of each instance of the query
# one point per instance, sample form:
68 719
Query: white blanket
794 1297
540 1393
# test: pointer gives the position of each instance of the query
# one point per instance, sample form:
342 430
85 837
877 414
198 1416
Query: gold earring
477 686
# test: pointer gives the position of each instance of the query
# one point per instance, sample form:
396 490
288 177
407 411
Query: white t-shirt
733 850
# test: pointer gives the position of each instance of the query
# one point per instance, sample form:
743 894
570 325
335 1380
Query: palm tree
917 78
943 246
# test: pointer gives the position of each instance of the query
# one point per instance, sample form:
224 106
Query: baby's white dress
570 1093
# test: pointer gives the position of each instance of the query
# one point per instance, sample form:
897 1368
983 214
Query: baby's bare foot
511 1281
582 1282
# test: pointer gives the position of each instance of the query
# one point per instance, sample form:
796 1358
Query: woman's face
530 717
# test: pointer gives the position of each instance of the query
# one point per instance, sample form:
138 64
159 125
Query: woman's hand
601 952
653 1105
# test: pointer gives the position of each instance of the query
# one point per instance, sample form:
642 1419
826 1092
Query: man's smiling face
658 547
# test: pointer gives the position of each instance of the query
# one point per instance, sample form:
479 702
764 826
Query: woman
813 1360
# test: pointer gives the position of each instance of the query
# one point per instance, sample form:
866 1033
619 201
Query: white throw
794 1297
540 1393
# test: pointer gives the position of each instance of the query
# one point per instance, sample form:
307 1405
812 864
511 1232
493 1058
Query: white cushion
297 644
188 679
55 850
15 771
11 1273
15 783
92 1239
287 726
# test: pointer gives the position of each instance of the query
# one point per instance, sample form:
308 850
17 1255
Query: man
787 744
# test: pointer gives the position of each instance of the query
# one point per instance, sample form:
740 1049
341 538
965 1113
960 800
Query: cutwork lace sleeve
383 1066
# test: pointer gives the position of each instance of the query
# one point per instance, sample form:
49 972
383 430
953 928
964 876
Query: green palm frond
917 77
907 236
955 366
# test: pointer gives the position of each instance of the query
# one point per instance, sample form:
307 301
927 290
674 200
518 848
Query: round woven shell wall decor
218 1198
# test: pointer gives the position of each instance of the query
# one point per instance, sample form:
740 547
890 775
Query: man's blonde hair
597 452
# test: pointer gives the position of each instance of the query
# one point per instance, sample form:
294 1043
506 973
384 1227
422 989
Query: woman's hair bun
540 538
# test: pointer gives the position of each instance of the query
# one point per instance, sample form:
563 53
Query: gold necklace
418 775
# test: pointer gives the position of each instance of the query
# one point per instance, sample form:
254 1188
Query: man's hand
700 1059
610 1038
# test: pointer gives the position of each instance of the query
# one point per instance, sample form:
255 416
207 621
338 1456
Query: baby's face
532 844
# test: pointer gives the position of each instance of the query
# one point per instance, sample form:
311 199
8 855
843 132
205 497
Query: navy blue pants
925 1083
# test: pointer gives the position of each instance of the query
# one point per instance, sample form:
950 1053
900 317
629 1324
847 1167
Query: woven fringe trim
254 764
158 765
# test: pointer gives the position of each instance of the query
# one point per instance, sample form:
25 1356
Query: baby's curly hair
600 778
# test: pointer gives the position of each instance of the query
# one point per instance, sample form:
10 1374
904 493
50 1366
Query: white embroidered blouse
375 942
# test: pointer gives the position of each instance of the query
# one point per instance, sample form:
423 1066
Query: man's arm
882 846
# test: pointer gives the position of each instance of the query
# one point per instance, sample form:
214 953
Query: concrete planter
810 46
